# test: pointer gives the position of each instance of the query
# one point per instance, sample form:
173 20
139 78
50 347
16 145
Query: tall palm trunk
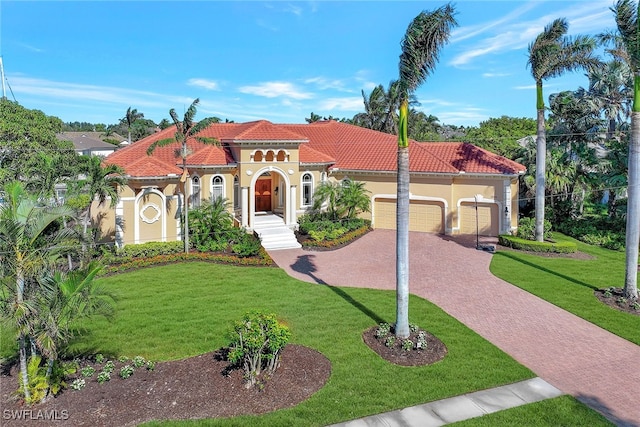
633 203
402 227
22 339
541 164
186 197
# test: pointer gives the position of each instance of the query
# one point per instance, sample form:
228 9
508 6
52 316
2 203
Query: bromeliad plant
256 342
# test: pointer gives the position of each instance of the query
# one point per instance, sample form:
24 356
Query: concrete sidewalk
566 351
441 412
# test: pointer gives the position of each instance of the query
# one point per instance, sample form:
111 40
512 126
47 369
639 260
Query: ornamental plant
256 342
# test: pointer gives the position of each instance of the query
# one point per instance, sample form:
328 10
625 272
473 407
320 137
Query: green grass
181 310
560 411
570 283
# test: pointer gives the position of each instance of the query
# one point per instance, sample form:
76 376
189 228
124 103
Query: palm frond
421 46
626 16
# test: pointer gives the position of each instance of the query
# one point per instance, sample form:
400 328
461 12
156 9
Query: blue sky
273 60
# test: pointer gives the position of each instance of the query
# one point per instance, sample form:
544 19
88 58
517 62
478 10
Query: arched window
217 187
236 192
307 189
195 191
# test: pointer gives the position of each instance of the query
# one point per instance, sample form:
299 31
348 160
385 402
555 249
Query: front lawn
570 283
175 311
559 411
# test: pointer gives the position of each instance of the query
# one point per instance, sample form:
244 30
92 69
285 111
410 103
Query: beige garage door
487 219
423 216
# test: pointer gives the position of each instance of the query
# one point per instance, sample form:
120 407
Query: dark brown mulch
575 255
435 351
617 300
197 387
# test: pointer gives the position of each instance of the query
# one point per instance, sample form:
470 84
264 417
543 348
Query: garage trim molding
483 201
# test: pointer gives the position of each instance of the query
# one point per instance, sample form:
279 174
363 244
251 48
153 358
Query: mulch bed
575 255
617 301
302 238
197 387
435 351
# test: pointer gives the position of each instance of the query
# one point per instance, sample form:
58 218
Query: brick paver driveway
566 351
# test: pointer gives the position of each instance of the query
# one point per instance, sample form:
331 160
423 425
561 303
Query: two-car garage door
426 216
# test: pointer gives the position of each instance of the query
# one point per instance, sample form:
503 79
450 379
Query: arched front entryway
271 192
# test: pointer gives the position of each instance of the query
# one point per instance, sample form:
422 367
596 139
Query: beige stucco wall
446 191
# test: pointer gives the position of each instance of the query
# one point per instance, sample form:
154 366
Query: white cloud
341 104
59 91
526 87
276 89
31 48
204 83
324 83
507 33
492 75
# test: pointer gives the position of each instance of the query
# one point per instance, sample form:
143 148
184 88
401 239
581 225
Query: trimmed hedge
263 259
535 246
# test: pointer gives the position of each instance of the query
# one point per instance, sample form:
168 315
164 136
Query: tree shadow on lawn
304 264
546 270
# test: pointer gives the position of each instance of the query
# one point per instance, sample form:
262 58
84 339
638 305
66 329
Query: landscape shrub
255 343
345 238
527 229
261 259
535 246
596 230
245 244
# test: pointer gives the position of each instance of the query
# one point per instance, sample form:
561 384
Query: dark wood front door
263 195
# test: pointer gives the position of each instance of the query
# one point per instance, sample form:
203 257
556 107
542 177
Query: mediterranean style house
271 169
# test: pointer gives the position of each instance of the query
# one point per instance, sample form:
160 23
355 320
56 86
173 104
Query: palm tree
186 130
63 299
130 117
101 182
610 90
327 192
354 198
626 16
550 55
420 50
313 118
26 249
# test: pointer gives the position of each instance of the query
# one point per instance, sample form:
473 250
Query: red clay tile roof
345 146
471 159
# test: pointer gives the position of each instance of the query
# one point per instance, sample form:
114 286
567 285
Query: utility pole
4 89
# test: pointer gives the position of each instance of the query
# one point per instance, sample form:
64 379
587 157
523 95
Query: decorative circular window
150 213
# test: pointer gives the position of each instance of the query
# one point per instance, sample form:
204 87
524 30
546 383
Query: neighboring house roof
85 143
343 146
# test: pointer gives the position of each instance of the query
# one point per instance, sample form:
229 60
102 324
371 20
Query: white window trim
302 185
223 184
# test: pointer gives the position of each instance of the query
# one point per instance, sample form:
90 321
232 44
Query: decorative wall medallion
249 172
290 171
150 213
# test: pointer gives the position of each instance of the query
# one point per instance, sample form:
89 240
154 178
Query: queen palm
26 249
551 54
130 118
100 182
626 16
186 130
63 299
421 45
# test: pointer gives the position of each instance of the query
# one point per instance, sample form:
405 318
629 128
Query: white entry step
274 234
